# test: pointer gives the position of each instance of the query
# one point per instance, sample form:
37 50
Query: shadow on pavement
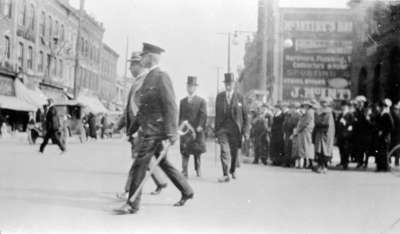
58 197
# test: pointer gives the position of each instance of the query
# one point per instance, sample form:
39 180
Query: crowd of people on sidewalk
304 135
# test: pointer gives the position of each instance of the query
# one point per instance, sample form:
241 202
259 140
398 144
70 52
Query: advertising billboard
318 64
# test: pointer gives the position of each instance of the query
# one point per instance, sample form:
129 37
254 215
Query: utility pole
229 52
77 48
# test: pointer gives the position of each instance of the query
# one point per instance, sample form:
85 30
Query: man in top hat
193 114
157 122
52 127
231 124
128 120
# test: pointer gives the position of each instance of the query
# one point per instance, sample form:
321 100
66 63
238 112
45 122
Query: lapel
225 102
233 103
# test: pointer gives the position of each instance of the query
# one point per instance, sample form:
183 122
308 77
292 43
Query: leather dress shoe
184 199
233 176
158 189
224 179
126 209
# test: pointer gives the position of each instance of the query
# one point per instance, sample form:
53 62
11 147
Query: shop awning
13 103
92 103
35 97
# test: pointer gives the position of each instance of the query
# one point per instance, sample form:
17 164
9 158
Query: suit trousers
229 150
185 162
55 138
146 149
156 175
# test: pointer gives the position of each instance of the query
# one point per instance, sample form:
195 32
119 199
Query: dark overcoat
195 113
52 120
239 113
157 114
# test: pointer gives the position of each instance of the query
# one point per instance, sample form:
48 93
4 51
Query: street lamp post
229 35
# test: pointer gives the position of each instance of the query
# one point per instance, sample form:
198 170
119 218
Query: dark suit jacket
157 114
196 114
52 120
239 112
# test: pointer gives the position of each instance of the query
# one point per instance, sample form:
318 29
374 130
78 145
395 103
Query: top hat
135 57
191 80
149 48
229 78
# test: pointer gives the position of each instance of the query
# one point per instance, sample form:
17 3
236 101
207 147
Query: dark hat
149 48
191 80
229 78
135 57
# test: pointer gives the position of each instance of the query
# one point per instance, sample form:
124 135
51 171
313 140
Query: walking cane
151 170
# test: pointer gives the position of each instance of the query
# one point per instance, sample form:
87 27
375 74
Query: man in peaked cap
157 123
128 120
231 124
192 111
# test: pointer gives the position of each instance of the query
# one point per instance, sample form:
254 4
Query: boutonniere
239 104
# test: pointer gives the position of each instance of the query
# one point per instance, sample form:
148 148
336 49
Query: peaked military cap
150 48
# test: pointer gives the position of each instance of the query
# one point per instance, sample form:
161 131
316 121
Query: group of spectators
304 135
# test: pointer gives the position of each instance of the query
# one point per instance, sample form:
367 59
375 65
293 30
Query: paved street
74 193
